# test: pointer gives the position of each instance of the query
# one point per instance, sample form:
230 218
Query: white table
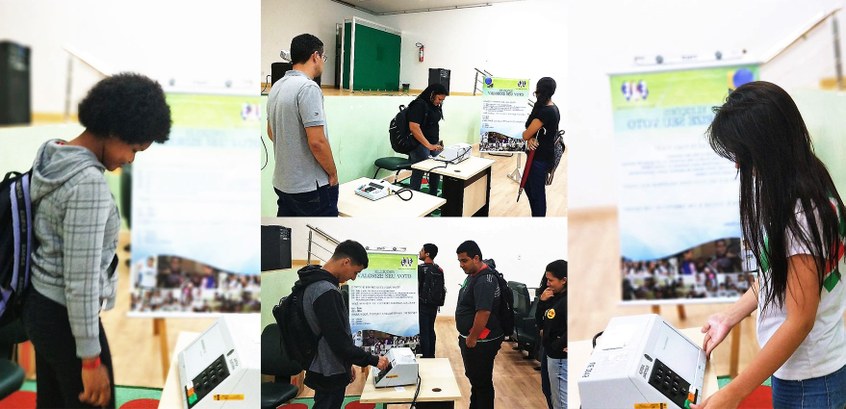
353 205
466 186
438 387
579 354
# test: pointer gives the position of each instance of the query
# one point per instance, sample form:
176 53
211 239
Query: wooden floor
516 382
504 191
595 288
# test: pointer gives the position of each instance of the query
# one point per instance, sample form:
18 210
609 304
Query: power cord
416 392
266 81
598 334
264 148
404 190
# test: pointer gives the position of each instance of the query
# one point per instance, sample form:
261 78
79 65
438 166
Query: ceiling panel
385 7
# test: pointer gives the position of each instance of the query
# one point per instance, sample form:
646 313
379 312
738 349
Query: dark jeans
545 377
329 398
58 370
536 187
320 202
419 154
478 368
427 330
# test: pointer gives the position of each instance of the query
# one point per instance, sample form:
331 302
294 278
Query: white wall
516 39
606 35
282 20
521 247
196 43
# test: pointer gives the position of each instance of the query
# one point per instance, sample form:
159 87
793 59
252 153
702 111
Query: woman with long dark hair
541 131
792 217
424 114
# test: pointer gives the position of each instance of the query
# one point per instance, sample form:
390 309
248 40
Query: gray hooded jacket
77 225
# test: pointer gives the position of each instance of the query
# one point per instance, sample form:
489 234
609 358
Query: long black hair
781 182
543 92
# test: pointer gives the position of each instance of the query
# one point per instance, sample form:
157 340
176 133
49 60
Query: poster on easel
195 241
383 303
678 200
505 108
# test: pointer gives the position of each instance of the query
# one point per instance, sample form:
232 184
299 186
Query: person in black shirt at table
477 320
544 118
424 114
555 332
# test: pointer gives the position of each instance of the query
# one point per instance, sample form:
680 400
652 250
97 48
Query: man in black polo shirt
479 332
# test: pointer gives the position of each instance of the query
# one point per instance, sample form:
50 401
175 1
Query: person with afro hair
76 225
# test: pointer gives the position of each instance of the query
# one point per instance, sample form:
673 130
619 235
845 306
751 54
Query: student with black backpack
541 135
76 225
481 322
430 281
424 114
330 371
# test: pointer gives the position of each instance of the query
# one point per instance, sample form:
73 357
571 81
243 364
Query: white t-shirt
824 349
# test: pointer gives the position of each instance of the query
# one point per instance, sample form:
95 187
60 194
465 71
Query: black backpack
506 305
298 341
17 243
433 291
402 141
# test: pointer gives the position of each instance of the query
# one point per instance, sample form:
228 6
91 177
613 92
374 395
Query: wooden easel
160 329
735 339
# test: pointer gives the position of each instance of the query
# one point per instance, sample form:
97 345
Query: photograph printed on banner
176 284
711 270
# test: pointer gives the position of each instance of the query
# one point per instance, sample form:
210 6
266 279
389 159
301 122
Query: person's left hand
471 342
352 371
719 400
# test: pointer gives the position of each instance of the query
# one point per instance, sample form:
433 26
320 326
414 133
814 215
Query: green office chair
276 364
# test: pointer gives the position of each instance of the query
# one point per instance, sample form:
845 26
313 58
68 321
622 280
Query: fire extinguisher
419 52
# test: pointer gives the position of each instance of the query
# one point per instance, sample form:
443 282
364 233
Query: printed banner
505 109
678 206
195 211
383 303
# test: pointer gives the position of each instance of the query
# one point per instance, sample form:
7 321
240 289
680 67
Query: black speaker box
278 70
15 99
275 247
439 76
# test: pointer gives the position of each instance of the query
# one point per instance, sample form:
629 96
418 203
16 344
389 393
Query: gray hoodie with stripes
77 224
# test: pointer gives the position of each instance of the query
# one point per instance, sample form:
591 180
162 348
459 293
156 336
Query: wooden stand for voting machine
735 338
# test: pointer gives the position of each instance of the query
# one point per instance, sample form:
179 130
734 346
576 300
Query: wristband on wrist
91 364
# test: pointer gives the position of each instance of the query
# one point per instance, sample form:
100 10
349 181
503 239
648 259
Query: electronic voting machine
402 369
221 368
641 359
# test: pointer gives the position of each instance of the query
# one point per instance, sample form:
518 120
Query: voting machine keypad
383 373
206 380
672 385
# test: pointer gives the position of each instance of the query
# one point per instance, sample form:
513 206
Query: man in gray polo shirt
305 178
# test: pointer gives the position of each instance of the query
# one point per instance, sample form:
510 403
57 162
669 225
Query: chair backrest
521 297
273 360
